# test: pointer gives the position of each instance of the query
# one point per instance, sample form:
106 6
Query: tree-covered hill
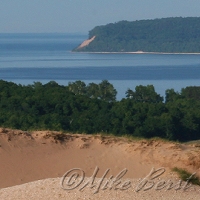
173 35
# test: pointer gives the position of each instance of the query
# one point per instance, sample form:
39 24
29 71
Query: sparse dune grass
187 176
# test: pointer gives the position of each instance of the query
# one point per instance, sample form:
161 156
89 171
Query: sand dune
32 164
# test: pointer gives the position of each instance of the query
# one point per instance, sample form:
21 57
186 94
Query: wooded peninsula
166 35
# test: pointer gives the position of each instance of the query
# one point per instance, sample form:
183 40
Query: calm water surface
25 58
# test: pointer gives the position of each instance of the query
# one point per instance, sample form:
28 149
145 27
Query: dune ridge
42 157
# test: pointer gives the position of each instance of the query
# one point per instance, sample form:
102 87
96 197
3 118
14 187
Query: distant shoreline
135 52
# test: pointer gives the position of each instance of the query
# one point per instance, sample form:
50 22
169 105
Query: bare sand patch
27 157
86 42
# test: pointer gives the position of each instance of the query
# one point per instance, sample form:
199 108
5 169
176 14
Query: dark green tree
192 92
106 91
144 94
93 90
77 87
171 95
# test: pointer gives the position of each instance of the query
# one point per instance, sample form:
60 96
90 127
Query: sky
80 16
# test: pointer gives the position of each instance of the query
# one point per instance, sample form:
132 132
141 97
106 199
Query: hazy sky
83 15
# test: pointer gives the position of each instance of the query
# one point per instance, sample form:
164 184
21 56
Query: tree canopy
93 108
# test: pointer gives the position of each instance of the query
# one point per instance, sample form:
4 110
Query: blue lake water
26 58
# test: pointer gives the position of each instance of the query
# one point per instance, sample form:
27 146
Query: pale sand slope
86 42
39 155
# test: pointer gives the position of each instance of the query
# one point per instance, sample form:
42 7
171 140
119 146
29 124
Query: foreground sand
50 189
27 157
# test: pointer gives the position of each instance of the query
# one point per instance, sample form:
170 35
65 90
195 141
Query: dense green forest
93 108
174 34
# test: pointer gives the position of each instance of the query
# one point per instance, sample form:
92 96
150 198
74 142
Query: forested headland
171 35
93 108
